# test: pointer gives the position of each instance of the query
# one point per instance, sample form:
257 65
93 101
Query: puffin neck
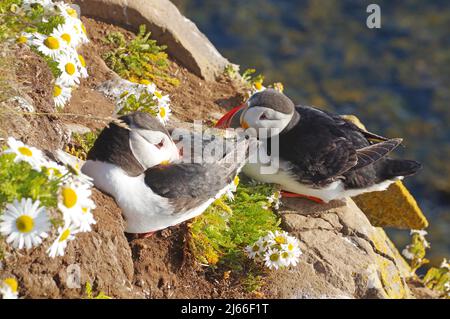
293 122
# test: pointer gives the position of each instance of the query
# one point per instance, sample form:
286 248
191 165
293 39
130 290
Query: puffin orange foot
146 235
294 195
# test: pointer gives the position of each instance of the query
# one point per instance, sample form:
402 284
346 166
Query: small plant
81 144
218 237
415 252
140 59
439 279
53 31
90 295
436 278
39 197
276 250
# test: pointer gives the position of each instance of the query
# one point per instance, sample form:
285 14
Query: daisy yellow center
66 37
285 255
11 283
22 39
25 151
57 91
236 181
72 12
70 68
290 247
162 112
52 43
84 210
69 197
82 61
144 81
255 248
158 94
64 235
274 257
24 224
258 85
280 240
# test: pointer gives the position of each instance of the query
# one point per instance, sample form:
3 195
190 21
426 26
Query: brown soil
156 267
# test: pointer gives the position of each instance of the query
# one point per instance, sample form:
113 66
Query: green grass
138 60
218 237
82 143
19 180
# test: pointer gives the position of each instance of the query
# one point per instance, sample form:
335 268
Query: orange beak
225 120
245 125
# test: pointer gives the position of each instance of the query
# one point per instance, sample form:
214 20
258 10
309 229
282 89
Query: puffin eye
160 144
263 117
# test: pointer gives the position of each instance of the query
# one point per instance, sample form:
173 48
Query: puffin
322 156
136 162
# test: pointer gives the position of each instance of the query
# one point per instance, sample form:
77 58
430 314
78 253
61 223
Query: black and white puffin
321 155
136 163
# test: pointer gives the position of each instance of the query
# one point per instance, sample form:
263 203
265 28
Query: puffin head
137 144
268 109
149 140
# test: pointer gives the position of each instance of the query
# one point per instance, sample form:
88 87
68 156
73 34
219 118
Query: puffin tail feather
392 168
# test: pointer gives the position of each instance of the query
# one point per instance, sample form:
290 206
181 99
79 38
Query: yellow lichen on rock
395 207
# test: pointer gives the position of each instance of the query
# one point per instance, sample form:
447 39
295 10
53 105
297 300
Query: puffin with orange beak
321 155
138 164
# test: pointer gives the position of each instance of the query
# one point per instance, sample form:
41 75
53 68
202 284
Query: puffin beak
165 163
225 121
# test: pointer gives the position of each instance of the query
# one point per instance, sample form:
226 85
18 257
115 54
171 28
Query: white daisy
25 38
53 170
162 99
8 288
289 258
66 10
232 188
25 153
49 45
65 234
82 66
254 251
72 198
80 30
277 237
163 113
61 95
24 223
86 219
273 259
291 252
70 75
67 33
74 165
274 200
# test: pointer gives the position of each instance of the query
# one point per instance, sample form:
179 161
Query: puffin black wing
373 153
187 185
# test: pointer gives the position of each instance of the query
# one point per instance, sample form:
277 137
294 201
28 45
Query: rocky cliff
344 255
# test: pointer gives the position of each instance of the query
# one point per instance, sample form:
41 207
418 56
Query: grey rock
344 256
184 40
